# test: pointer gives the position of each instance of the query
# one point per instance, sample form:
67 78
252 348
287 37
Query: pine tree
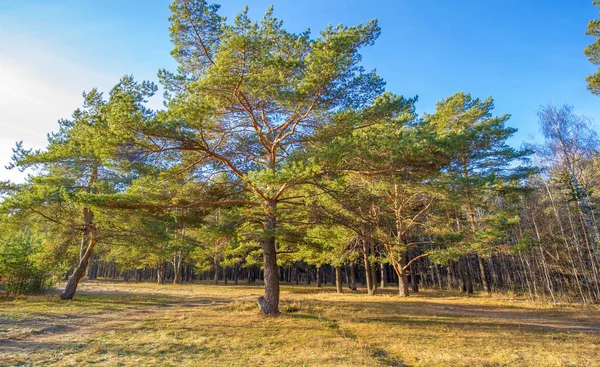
246 96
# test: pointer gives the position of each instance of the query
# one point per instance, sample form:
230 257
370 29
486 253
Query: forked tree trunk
269 303
402 277
399 265
338 278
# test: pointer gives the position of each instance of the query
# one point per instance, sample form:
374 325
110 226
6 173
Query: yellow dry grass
127 324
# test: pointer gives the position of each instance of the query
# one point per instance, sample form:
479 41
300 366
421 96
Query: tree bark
89 231
160 273
307 274
369 278
318 277
338 279
484 276
352 284
403 284
269 303
413 279
93 268
216 277
467 284
177 261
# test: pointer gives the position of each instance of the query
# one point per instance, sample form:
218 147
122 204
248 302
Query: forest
279 164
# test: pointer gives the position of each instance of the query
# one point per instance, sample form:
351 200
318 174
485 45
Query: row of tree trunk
525 273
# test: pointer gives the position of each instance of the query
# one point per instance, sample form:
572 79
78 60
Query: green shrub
21 267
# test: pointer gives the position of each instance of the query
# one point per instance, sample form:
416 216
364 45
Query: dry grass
121 324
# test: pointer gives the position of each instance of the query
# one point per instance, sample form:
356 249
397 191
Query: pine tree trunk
484 277
438 275
352 276
177 261
216 276
269 303
413 279
160 273
93 268
369 278
403 284
89 232
307 274
347 272
467 284
402 277
338 279
318 277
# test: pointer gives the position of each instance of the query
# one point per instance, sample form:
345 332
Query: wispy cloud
39 84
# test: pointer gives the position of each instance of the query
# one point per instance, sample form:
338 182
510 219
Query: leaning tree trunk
90 231
269 303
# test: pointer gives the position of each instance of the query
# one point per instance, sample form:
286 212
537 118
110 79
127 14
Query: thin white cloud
39 84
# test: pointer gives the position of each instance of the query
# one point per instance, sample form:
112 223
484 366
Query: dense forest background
279 158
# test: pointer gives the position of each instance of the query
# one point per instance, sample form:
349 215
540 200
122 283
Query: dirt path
42 332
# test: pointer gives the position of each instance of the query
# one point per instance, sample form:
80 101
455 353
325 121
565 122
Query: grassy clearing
121 324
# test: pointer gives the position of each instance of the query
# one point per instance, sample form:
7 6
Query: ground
127 324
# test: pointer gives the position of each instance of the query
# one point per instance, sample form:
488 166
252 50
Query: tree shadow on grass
458 315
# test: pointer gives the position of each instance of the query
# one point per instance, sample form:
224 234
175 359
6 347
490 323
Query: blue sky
523 53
